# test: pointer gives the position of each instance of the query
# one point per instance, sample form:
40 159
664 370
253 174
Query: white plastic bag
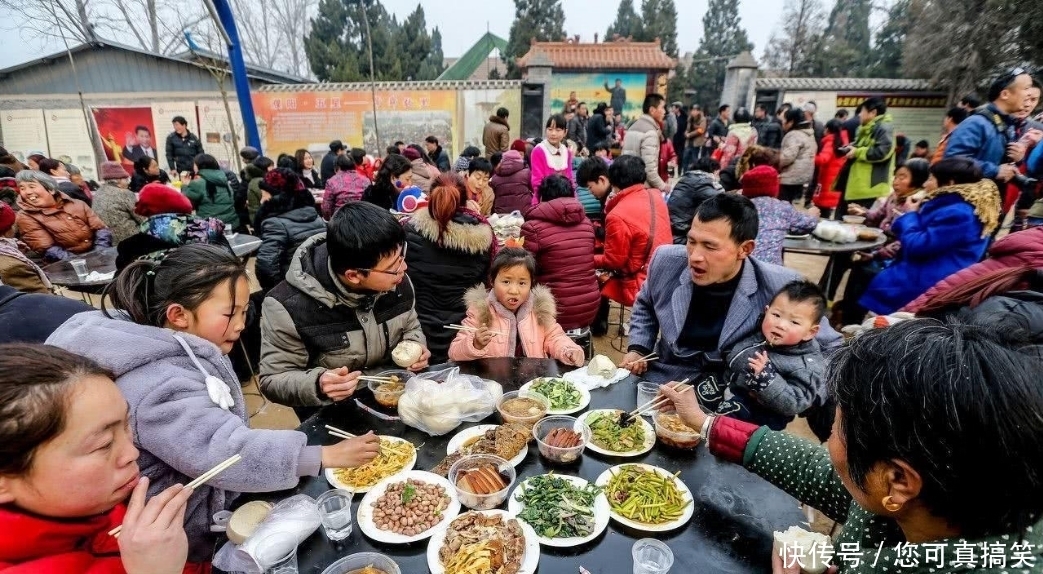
297 517
438 402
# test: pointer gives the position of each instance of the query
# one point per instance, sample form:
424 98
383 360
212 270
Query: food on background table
393 457
556 508
563 394
803 546
601 366
483 544
563 438
523 407
368 570
505 441
645 496
672 431
485 479
607 433
387 394
410 507
407 353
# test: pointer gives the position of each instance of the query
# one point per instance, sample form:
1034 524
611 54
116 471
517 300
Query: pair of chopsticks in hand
200 481
343 433
456 327
647 358
658 401
378 379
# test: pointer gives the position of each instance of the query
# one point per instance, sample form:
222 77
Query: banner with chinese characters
916 116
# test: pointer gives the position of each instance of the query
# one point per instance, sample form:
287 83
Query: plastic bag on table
438 402
297 517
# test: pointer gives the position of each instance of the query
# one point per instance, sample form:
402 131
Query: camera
1023 182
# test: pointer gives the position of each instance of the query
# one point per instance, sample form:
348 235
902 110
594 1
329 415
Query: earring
890 505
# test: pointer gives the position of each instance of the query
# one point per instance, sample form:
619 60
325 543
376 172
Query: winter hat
281 180
411 154
760 181
249 153
6 217
518 145
112 170
157 198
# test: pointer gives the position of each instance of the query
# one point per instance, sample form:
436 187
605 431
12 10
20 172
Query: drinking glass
646 392
652 557
80 267
277 553
335 513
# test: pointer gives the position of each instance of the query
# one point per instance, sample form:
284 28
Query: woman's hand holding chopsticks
351 452
152 539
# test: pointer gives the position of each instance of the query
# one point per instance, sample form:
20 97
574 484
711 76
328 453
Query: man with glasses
344 306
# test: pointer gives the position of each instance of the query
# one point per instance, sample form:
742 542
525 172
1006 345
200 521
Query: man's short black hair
841 114
804 291
875 103
1003 82
399 142
345 163
479 164
971 101
431 140
651 102
625 171
956 114
956 170
723 108
360 234
761 107
923 144
471 151
554 187
737 210
391 150
263 162
707 164
502 113
180 120
142 129
358 154
592 169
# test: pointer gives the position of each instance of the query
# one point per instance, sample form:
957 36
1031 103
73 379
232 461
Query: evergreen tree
333 44
886 58
414 43
790 48
660 21
723 39
626 24
542 20
844 47
434 63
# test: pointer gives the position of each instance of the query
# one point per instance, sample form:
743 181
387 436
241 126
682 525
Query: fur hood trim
474 237
498 120
543 304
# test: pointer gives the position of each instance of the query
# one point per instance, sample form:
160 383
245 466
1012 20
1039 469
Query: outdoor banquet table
812 245
731 530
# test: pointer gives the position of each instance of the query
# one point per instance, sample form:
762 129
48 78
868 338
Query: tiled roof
390 86
618 55
843 84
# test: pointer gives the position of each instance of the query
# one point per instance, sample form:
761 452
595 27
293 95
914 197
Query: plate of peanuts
407 507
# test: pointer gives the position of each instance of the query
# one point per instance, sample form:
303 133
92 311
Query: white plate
601 515
467 434
689 510
649 436
365 512
584 397
532 545
336 482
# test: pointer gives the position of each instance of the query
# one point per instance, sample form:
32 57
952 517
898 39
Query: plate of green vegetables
564 511
607 437
646 497
565 396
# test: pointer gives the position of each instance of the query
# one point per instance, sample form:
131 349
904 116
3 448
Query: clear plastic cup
277 553
646 392
335 513
652 557
80 267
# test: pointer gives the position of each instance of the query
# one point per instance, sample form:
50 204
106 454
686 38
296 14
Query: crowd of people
360 254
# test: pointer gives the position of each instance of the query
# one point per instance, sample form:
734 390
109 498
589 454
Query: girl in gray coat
176 320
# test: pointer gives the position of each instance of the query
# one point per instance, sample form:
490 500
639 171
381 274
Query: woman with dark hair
146 171
551 156
927 413
599 128
60 172
284 222
947 232
306 171
33 161
797 156
209 191
829 161
449 250
395 175
561 238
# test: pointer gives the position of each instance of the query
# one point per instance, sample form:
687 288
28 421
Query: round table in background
731 531
812 245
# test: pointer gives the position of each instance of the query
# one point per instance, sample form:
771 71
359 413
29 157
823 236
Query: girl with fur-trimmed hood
514 319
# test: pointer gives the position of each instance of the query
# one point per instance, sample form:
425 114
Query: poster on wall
24 132
477 105
624 91
215 131
69 139
126 134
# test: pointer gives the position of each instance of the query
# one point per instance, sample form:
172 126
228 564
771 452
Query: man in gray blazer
702 298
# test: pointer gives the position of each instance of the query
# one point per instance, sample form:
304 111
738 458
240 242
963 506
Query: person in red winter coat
561 238
511 184
829 161
66 470
667 154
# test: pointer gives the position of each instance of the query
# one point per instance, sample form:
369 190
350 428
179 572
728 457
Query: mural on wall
127 134
624 91
24 132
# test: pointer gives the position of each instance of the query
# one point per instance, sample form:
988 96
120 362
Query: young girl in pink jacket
514 319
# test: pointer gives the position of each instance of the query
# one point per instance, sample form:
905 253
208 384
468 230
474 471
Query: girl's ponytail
130 291
448 194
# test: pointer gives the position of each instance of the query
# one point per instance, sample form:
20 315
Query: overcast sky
461 26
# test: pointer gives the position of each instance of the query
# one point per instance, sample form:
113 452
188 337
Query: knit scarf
983 195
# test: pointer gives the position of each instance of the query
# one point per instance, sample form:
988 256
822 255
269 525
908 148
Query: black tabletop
815 246
735 511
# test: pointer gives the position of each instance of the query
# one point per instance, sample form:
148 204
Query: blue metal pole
242 83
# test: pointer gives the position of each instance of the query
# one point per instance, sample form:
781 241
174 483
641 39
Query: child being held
779 372
514 319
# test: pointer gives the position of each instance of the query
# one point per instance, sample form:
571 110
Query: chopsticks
659 401
200 481
377 379
649 357
456 327
339 433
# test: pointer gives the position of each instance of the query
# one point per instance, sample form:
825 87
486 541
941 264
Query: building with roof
478 62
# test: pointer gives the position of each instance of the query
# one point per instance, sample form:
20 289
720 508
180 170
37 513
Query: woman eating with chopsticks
936 446
69 473
176 318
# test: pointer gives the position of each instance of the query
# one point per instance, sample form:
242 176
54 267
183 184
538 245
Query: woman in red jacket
829 161
67 464
561 238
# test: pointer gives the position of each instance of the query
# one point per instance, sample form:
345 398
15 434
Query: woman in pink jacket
514 319
551 156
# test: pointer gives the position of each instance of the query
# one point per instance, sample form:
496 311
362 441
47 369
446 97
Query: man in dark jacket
718 130
328 168
577 126
182 146
437 154
694 187
681 118
32 317
769 129
599 130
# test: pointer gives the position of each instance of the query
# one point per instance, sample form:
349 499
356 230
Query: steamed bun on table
804 547
407 353
601 366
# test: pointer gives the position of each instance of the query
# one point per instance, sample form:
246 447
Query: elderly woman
797 157
52 223
935 445
114 202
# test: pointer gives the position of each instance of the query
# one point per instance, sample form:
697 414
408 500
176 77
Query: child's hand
482 337
339 384
351 452
758 362
153 540
422 362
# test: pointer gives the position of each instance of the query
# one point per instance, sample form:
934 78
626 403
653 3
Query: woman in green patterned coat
935 451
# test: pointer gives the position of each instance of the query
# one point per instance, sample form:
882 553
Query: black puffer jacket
281 235
441 274
182 151
689 192
1018 312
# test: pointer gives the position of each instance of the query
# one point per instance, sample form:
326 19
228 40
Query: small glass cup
335 513
277 553
652 557
80 267
646 392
